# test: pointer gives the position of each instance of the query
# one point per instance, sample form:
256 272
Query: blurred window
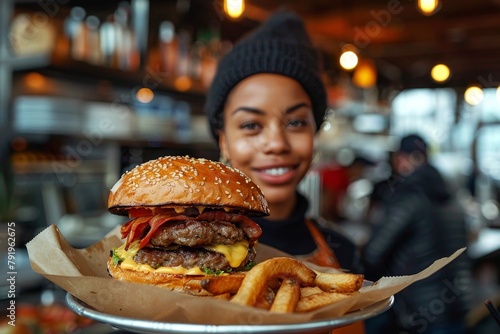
429 112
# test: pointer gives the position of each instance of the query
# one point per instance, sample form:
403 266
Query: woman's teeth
277 171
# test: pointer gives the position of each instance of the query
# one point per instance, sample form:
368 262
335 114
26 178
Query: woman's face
269 133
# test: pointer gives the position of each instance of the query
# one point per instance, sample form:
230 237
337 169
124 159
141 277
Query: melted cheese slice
235 254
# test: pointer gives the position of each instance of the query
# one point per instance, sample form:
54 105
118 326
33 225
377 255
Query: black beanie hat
281 46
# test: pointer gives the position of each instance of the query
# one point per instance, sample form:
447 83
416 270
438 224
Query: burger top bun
183 181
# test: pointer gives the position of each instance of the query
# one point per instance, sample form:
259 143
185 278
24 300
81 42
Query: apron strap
323 255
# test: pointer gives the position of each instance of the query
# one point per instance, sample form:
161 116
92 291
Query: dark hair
413 143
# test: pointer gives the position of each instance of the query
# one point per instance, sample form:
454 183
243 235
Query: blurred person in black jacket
422 222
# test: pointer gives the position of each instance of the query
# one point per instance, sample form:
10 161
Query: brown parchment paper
83 273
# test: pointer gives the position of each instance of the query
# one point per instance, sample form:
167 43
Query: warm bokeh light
365 74
428 7
440 73
234 8
35 81
144 95
473 95
348 60
183 83
498 94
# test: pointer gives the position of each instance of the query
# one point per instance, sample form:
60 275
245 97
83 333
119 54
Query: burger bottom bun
189 284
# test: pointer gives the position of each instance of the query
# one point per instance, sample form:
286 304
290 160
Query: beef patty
194 233
188 258
190 235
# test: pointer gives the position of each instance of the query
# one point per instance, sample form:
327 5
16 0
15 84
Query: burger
189 218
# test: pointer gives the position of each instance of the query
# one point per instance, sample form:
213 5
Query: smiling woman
265 105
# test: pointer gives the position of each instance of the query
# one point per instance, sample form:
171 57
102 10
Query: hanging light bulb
428 7
440 73
349 57
365 74
144 95
473 95
348 60
234 8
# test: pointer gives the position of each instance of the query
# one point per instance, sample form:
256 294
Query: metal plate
146 326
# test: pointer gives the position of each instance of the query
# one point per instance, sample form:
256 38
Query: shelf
46 115
79 70
22 63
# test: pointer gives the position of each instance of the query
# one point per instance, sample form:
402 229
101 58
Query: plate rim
149 326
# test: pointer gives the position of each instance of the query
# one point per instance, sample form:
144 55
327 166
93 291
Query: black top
292 236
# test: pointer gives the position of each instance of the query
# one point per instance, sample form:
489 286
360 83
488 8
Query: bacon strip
134 229
131 225
155 223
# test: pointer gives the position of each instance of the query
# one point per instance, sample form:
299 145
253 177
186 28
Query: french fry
338 282
309 290
287 297
218 285
256 279
265 299
315 301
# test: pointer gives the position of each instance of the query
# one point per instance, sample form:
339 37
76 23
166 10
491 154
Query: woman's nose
276 141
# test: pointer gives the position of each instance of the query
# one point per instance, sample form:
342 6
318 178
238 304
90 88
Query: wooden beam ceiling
464 34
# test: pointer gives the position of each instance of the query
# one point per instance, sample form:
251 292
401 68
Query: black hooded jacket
422 223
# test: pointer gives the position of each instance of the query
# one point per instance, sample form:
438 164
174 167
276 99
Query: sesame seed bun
183 181
180 283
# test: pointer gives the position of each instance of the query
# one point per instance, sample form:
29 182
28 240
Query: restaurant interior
90 89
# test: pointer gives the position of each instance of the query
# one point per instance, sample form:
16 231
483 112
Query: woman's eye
296 123
249 126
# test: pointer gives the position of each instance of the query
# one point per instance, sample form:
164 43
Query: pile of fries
284 285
